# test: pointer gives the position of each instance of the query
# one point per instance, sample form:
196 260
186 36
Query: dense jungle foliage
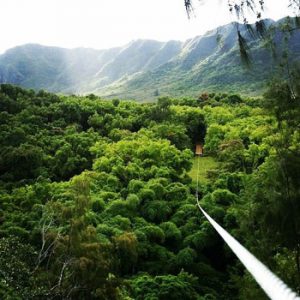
96 200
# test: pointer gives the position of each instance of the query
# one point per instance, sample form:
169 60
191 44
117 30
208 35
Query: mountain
80 70
144 69
208 64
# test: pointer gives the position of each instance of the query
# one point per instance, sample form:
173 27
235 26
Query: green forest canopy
97 203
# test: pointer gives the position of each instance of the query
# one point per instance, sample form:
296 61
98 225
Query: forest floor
207 163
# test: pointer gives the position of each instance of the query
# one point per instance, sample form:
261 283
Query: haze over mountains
144 69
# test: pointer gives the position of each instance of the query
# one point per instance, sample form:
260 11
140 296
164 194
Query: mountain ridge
144 69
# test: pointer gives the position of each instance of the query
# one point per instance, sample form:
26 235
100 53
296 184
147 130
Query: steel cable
272 285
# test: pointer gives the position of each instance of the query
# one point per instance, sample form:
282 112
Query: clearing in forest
207 163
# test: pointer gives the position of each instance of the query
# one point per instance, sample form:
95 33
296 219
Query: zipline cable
273 286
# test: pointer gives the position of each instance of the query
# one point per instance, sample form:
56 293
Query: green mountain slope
206 65
80 70
144 69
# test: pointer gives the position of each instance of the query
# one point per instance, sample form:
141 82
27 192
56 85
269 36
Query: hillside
144 69
204 64
81 70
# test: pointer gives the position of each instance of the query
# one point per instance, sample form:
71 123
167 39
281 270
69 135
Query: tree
79 264
274 189
242 10
182 286
126 247
16 265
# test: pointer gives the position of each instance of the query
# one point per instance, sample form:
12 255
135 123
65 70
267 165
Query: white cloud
108 23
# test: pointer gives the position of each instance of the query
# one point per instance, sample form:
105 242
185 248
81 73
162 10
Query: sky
102 24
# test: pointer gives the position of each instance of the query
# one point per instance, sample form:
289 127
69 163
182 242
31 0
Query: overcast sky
108 23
